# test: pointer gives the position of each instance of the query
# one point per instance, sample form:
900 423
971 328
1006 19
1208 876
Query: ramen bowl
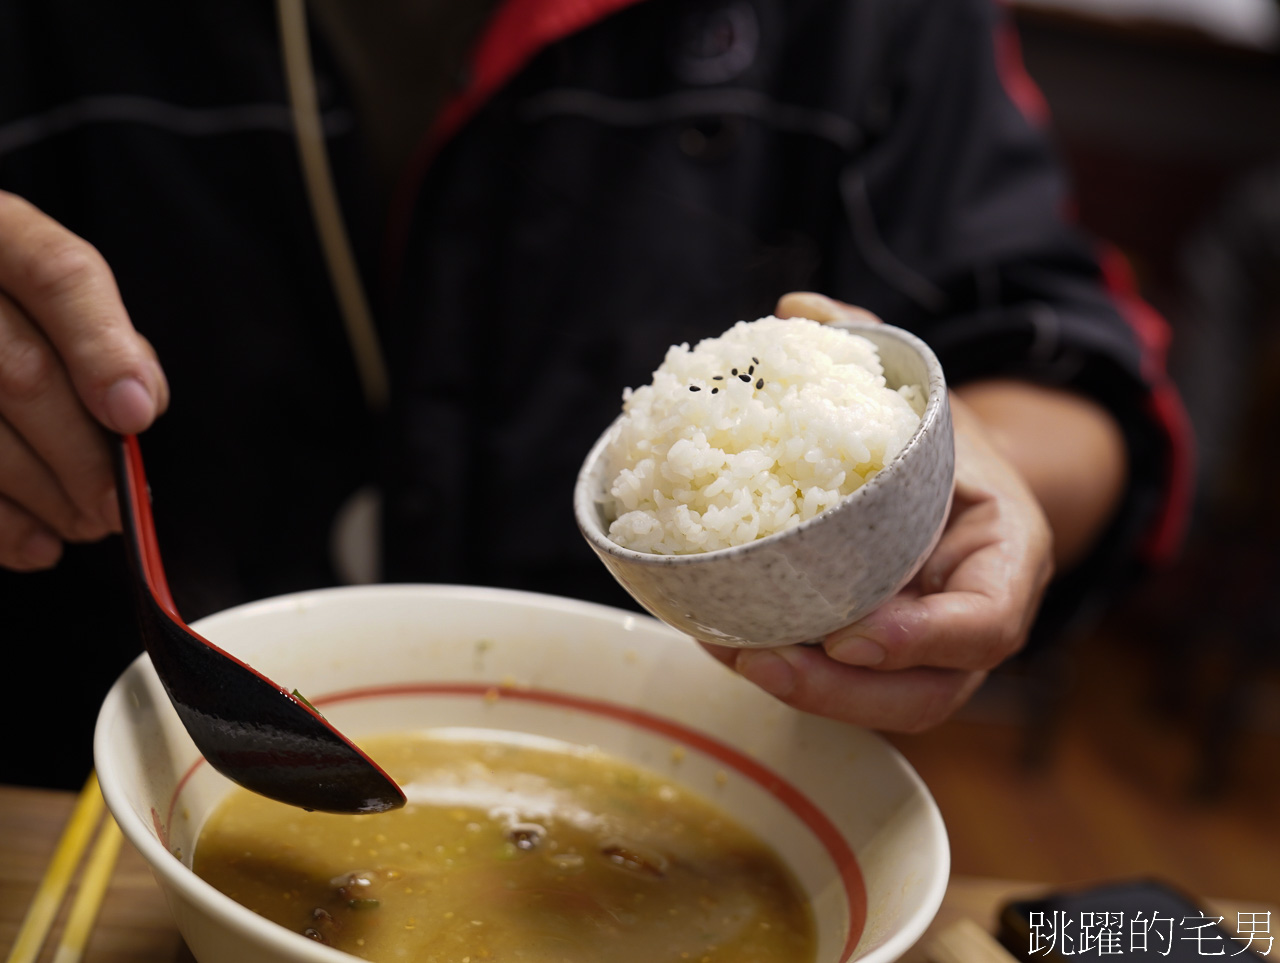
852 822
801 583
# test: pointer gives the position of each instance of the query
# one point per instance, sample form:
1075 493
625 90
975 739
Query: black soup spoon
250 729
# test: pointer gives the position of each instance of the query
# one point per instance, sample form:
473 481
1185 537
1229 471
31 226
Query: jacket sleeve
958 219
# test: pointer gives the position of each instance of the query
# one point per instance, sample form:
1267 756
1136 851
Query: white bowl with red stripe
846 812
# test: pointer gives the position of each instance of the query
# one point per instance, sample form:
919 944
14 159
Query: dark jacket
612 177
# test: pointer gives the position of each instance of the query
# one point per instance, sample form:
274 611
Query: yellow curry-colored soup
513 850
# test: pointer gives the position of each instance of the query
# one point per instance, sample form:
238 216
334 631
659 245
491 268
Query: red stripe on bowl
797 802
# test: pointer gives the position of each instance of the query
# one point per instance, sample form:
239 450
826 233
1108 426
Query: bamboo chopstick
92 891
966 942
44 906
57 877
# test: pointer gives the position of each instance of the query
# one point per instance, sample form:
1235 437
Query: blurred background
1149 743
1154 736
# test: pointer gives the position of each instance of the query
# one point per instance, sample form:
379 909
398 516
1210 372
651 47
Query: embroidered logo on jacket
717 41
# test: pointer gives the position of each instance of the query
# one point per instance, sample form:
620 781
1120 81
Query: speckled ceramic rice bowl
799 584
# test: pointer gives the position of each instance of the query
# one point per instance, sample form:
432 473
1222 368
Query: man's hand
922 654
70 363
916 659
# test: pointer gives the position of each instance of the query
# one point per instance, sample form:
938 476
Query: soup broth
513 850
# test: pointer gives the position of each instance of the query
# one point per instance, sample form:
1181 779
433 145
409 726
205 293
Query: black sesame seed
751 370
760 383
717 377
715 390
734 371
756 360
694 388
744 377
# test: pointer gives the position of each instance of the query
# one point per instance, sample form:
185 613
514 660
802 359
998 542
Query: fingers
978 592
54 460
25 544
65 287
721 653
976 596
70 363
907 700
967 631
28 483
819 307
919 656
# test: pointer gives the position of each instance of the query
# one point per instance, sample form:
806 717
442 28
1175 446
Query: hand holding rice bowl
802 522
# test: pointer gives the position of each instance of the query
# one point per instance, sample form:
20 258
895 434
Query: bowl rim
224 910
937 407
171 870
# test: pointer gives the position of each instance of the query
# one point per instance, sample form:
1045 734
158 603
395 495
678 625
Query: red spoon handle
148 547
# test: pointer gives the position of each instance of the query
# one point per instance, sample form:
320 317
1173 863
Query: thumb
819 307
68 292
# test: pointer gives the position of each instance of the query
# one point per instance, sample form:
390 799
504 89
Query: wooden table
134 924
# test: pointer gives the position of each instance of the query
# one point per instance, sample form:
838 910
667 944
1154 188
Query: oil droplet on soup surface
513 852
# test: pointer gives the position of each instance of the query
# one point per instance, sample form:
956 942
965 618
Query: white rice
739 459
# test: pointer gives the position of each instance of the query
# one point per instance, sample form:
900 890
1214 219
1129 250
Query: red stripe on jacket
1163 403
1149 329
516 33
1017 83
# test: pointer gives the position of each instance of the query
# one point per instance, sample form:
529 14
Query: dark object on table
1143 920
